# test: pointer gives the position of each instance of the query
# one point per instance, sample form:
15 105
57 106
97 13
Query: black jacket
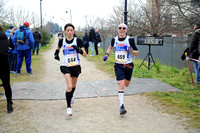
37 37
195 41
92 35
3 43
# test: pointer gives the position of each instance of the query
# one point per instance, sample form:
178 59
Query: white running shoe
69 112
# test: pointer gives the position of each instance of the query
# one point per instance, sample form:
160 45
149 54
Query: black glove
56 56
77 49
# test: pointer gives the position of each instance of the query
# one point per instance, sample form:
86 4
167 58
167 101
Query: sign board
156 41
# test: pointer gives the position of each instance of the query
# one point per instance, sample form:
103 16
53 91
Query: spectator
51 34
4 69
86 42
91 40
97 41
10 54
37 37
9 31
195 46
60 35
13 66
25 42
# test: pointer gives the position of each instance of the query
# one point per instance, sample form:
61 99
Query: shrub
45 37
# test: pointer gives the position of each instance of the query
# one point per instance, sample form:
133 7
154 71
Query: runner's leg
121 84
74 81
121 90
69 89
127 82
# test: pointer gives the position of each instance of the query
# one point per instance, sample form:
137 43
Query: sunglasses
122 28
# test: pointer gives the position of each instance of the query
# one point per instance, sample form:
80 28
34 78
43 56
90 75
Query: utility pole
70 14
125 13
41 13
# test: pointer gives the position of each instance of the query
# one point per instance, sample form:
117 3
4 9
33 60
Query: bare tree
3 11
17 15
185 13
158 19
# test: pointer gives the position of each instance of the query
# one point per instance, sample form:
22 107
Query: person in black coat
97 41
4 69
37 37
195 46
91 40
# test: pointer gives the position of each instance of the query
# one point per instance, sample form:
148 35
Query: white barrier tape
193 59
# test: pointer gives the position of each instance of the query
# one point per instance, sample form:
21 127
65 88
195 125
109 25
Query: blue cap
11 27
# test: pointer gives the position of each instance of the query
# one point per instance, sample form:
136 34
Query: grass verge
185 104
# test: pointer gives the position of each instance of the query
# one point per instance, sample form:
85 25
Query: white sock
121 97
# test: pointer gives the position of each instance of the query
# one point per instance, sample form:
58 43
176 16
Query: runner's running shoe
122 110
72 100
69 112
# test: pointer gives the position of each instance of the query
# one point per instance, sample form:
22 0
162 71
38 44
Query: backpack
21 36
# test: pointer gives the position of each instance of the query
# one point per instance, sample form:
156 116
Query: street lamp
41 13
70 15
125 13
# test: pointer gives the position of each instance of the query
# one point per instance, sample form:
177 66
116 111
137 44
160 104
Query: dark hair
69 24
1 29
197 25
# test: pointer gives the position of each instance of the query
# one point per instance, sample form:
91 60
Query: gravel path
95 115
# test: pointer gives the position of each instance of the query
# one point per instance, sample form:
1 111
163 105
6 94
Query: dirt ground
95 115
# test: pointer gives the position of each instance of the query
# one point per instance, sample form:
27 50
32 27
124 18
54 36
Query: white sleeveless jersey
71 57
121 55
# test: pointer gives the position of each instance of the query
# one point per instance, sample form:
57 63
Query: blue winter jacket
7 33
14 43
29 39
85 40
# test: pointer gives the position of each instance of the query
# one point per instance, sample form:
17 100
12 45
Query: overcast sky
79 9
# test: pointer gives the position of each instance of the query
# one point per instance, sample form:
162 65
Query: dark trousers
14 63
96 48
5 77
86 47
37 47
10 58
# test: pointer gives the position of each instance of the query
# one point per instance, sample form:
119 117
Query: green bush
45 37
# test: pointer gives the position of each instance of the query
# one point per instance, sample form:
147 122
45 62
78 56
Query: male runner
124 46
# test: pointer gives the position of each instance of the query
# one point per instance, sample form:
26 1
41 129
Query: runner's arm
60 42
84 53
110 49
135 51
81 46
56 54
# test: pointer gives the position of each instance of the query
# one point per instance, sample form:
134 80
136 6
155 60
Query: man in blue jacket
25 42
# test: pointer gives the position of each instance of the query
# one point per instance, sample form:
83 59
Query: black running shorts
73 71
123 71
